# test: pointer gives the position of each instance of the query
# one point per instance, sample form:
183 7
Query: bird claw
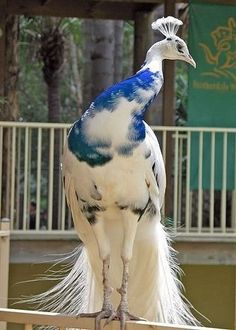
110 315
110 318
122 316
103 314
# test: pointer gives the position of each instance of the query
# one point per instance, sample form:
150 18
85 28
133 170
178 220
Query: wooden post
4 264
143 37
168 115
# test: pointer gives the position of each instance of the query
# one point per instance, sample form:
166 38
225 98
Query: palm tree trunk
54 115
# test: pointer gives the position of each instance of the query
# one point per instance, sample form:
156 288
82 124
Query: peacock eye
169 39
179 48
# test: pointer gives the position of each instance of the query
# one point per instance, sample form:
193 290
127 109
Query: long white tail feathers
71 294
79 292
174 307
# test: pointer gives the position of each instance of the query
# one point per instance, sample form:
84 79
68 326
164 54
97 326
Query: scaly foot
106 313
123 315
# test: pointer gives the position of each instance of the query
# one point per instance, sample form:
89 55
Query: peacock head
172 47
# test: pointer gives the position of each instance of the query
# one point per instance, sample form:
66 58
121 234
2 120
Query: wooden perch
30 318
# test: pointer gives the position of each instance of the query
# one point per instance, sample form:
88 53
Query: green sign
212 88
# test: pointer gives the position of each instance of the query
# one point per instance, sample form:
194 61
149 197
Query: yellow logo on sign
223 58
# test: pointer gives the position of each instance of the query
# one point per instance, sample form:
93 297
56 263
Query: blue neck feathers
140 89
129 89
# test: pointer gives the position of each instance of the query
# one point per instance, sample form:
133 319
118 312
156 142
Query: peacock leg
107 289
122 313
107 310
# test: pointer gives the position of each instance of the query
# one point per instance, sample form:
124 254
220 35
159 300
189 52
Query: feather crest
168 26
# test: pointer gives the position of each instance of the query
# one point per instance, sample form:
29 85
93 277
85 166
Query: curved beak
191 61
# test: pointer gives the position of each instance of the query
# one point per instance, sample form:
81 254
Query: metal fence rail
201 175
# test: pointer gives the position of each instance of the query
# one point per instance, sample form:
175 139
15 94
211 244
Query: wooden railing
4 264
30 318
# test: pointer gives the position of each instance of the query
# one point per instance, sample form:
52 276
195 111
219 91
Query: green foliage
73 26
32 89
32 96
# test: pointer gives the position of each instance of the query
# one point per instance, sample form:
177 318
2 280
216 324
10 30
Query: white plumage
115 182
